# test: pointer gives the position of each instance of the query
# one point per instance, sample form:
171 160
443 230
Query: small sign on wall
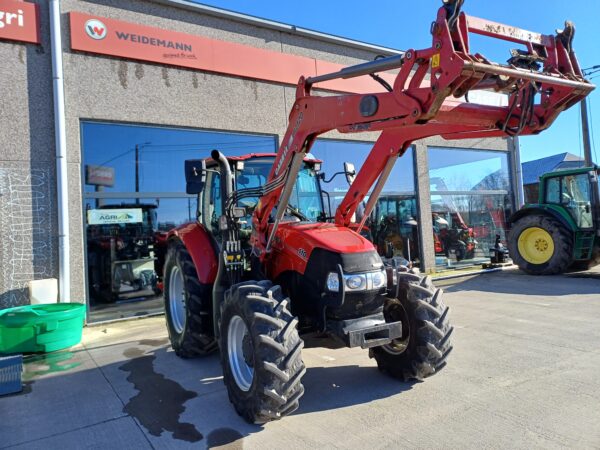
19 21
114 216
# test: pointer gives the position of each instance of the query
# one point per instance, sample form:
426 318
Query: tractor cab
250 173
576 191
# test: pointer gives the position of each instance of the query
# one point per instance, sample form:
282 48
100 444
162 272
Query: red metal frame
417 107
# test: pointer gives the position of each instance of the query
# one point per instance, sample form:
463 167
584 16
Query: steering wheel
296 213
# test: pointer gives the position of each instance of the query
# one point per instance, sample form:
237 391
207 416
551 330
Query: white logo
95 29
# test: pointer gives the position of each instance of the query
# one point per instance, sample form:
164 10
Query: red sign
126 40
99 175
19 21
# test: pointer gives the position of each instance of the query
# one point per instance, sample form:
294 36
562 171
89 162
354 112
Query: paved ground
523 374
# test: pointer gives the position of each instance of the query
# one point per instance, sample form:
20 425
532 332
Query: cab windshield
573 193
306 200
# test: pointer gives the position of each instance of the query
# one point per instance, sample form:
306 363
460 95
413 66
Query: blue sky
405 24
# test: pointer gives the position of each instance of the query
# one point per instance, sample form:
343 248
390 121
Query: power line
245 144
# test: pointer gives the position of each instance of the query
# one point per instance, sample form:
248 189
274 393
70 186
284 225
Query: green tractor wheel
540 245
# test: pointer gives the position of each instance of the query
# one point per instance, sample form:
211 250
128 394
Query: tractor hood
324 235
297 243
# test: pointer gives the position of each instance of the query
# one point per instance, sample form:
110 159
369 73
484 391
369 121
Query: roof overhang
279 26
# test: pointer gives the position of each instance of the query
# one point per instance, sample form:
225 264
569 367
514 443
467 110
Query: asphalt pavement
524 373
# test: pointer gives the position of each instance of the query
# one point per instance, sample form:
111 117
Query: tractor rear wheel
188 305
540 245
425 344
260 352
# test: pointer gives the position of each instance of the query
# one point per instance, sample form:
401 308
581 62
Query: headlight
357 281
379 279
333 282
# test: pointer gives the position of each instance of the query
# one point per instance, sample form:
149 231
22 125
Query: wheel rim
536 245
177 306
240 352
394 314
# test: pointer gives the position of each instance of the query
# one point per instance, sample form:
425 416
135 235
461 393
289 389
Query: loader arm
541 81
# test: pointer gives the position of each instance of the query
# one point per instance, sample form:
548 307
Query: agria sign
19 21
114 216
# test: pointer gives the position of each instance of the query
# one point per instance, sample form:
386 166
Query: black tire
562 238
425 343
274 352
196 338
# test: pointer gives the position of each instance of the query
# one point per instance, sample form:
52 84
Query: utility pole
138 147
137 172
585 131
585 124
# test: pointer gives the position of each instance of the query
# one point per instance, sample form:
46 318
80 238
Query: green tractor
561 231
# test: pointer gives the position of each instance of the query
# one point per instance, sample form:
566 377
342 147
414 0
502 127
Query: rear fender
546 210
202 248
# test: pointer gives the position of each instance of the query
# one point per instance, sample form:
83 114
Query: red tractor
263 265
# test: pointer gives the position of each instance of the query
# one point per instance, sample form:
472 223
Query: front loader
264 264
561 231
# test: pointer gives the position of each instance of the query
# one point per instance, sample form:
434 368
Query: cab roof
209 161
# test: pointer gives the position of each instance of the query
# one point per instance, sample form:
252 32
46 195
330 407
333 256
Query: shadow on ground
170 399
517 282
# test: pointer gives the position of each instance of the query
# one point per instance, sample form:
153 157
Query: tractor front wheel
260 352
188 305
425 344
540 245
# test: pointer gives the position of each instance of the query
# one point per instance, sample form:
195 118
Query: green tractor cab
561 231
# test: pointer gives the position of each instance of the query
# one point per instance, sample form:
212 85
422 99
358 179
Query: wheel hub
240 353
541 245
397 313
536 245
177 306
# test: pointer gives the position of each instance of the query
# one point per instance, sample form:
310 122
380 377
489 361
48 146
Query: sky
404 24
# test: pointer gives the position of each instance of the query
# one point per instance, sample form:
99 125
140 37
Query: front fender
202 248
554 211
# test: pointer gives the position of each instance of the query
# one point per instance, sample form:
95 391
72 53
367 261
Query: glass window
306 196
394 226
467 220
393 223
553 190
144 167
137 158
575 196
465 226
467 170
334 153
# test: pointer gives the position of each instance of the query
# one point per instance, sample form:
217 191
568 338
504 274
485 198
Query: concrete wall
109 89
28 220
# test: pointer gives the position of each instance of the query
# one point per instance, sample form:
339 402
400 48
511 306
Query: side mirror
195 176
350 172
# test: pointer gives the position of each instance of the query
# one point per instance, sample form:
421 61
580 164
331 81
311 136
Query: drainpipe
64 267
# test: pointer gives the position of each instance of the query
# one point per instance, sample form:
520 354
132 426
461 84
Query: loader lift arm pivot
419 106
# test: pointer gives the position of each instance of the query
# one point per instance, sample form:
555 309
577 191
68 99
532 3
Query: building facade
148 84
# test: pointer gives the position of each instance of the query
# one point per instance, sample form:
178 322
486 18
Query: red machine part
197 240
416 108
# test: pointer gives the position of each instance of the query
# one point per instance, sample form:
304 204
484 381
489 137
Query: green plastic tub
41 328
